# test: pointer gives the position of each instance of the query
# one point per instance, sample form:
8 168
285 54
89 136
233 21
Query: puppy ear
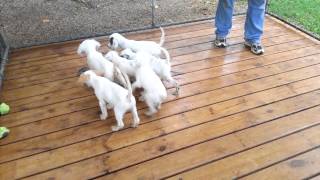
83 78
82 70
111 41
115 44
99 73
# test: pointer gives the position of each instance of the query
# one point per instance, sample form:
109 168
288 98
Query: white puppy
162 67
97 62
116 41
154 92
128 67
95 59
111 95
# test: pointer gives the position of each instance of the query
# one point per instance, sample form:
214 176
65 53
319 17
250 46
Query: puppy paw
103 117
116 128
176 93
134 125
149 113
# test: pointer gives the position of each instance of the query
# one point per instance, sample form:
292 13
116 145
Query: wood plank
49 98
15 119
41 100
49 76
177 29
68 72
36 65
42 78
72 50
54 67
225 108
213 150
45 68
45 126
291 28
155 34
221 70
39 89
235 166
233 49
235 37
148 33
151 34
171 40
54 110
209 151
234 105
189 41
299 167
162 145
316 177
272 34
70 82
277 57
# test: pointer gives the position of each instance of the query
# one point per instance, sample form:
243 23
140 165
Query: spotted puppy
116 41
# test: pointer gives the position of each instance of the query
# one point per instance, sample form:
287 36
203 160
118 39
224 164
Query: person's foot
256 48
220 42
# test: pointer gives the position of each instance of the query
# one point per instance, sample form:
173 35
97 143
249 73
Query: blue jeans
254 19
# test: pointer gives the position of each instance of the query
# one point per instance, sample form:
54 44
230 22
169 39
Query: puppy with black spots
117 41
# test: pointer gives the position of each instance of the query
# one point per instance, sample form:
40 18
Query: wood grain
238 115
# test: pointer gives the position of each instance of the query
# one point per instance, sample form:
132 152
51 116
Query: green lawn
304 13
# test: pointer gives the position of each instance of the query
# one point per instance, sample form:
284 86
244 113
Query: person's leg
223 20
254 25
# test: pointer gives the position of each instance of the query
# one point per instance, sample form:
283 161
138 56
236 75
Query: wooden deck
238 115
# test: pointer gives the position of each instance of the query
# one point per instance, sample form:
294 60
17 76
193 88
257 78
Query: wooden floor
238 115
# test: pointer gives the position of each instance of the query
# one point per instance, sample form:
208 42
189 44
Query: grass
304 13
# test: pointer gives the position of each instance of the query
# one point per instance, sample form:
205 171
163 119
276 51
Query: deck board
197 46
237 114
37 141
302 166
69 66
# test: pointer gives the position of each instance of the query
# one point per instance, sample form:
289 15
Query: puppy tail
162 39
124 80
128 86
166 53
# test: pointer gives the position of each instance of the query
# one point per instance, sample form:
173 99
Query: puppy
97 62
128 67
95 59
116 41
154 92
162 67
111 95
